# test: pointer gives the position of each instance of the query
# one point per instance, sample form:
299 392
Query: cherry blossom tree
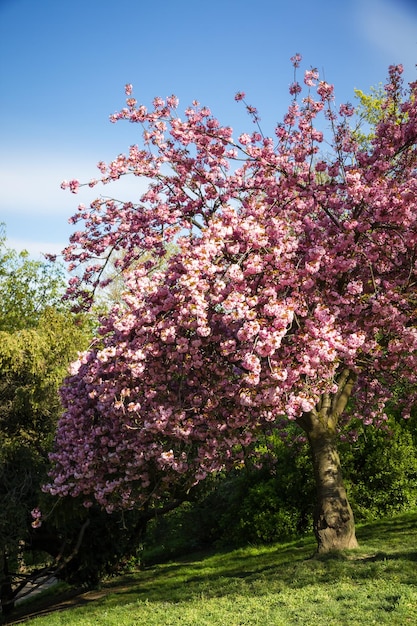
291 292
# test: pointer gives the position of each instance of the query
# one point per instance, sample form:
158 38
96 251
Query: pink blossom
347 110
73 186
244 139
37 518
355 287
251 363
295 88
310 77
296 60
172 101
325 90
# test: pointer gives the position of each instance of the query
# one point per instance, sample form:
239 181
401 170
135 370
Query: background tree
371 110
38 339
293 285
27 287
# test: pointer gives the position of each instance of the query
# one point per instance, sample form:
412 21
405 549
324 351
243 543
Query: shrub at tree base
293 286
381 470
250 505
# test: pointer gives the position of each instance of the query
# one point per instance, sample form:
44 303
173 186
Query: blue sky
64 64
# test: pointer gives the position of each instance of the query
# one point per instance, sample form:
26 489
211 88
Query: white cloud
36 249
36 189
389 27
36 210
32 185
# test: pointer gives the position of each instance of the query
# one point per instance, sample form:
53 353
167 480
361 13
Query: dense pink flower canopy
294 259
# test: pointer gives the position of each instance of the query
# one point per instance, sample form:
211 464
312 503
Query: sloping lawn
278 585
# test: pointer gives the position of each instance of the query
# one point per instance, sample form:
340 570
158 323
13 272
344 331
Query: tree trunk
334 525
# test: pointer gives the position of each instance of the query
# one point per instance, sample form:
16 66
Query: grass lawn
265 586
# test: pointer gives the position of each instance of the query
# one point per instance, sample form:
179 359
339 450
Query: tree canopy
293 284
27 287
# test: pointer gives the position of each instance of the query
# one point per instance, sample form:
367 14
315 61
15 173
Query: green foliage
381 470
21 470
264 517
261 508
33 363
27 288
370 111
39 337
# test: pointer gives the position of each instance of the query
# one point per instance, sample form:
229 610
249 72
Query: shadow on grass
211 575
388 550
395 556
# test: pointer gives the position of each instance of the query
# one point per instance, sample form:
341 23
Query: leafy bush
262 517
381 471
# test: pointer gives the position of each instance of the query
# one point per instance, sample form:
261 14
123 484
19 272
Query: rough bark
334 524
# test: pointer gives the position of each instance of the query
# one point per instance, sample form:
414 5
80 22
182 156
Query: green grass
267 586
